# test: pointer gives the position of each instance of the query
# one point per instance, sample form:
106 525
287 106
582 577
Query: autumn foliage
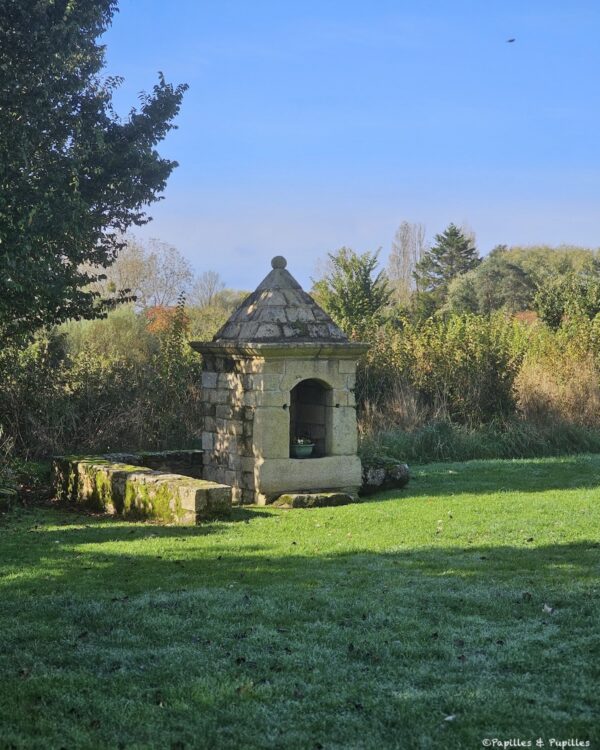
160 319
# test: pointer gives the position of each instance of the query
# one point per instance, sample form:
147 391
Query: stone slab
314 500
138 492
275 477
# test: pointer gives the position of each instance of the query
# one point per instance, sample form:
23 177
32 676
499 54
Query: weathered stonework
279 369
314 500
110 485
380 474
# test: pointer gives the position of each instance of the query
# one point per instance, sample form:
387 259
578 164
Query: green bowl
302 451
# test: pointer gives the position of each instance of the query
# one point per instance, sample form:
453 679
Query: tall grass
468 387
448 441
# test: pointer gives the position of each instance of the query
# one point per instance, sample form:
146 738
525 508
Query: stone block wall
228 429
137 492
247 424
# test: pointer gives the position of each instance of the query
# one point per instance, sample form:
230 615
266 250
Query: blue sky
312 125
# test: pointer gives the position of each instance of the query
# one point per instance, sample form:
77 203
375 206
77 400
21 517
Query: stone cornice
273 350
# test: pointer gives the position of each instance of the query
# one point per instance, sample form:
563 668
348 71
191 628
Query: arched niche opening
310 415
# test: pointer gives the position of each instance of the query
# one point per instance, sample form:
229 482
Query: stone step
314 499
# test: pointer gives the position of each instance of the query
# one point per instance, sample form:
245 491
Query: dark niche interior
310 403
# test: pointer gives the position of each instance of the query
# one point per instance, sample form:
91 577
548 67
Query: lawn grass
363 626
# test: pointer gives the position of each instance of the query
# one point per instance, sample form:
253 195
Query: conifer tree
353 293
452 254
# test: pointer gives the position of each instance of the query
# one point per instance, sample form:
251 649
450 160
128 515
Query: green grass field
412 620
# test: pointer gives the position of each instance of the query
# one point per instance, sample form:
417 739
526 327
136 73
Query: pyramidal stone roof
280 311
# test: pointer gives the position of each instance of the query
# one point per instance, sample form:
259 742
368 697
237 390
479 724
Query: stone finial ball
279 262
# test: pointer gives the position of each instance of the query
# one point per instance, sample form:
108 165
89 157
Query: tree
452 255
543 262
572 294
462 294
351 293
73 175
167 276
502 285
122 335
495 284
207 288
206 320
125 275
408 248
155 274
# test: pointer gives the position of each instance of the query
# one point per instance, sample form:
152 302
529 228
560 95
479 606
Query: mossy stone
313 499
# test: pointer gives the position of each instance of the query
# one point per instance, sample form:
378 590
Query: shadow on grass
325 649
165 558
116 528
240 637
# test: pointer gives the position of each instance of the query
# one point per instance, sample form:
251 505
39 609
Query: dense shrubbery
128 381
449 386
8 483
102 385
461 367
468 386
473 370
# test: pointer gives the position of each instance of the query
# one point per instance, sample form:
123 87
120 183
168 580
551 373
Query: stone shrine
277 373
